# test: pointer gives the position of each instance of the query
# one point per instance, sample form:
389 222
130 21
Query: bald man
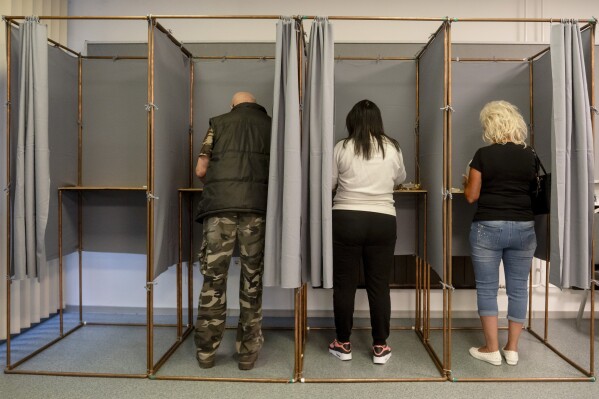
233 164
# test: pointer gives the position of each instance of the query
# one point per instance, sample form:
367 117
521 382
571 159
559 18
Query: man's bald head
242 97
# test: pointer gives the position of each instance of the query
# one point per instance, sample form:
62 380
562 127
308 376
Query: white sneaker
380 354
493 358
511 357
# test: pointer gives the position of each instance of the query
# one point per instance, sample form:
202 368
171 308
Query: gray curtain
32 175
317 155
282 257
572 166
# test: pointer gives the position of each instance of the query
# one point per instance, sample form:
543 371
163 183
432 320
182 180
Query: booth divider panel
171 146
63 139
596 126
432 101
15 59
114 222
391 85
114 123
215 82
474 85
542 115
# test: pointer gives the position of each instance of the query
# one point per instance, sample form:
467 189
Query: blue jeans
512 242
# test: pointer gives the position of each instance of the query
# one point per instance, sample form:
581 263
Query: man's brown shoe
246 361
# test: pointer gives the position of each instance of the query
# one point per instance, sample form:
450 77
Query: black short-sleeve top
506 170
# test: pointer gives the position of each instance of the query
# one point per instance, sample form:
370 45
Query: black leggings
370 237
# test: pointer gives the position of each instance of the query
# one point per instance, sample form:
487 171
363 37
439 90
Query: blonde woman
503 225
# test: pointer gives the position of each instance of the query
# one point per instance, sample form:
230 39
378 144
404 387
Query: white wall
102 285
345 31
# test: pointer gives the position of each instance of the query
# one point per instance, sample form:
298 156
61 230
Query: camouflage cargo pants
220 233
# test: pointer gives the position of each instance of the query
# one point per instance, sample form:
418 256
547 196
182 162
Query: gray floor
122 349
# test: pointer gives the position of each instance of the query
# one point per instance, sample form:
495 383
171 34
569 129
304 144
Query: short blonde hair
502 123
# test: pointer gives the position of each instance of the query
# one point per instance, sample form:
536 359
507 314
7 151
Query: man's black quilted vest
237 175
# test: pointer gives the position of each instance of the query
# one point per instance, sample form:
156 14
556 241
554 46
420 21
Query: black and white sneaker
380 354
341 350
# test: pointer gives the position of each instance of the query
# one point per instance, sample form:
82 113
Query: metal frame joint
150 106
447 287
151 196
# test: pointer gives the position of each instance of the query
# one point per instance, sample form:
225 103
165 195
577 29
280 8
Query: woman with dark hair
367 165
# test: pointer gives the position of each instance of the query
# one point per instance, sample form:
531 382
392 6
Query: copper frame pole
222 379
80 17
379 18
487 59
417 320
547 270
179 272
365 328
190 264
101 188
537 55
433 355
190 268
445 226
235 57
173 39
297 319
169 352
532 142
65 48
341 58
266 17
557 352
417 122
430 40
305 322
80 181
449 201
373 380
427 319
531 379
74 374
114 58
150 203
592 321
301 295
181 16
113 324
60 313
190 204
10 367
7 191
426 280
550 20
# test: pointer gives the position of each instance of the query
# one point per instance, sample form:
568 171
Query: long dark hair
365 121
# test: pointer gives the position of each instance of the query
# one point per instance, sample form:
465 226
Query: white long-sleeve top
366 185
